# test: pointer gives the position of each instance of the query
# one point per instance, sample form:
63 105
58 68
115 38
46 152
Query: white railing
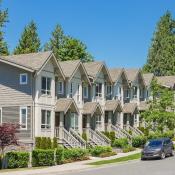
97 139
78 137
108 141
120 133
135 131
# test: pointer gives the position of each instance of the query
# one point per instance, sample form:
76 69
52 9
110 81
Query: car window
154 143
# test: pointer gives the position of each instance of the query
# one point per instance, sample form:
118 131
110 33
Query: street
151 167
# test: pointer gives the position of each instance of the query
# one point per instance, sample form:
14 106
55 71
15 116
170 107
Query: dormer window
60 87
98 92
134 92
85 91
109 90
23 79
46 85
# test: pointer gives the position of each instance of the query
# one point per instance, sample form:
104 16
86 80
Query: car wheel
172 153
162 156
142 158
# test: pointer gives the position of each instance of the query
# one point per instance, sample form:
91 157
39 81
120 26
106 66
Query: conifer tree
161 56
29 41
66 47
3 20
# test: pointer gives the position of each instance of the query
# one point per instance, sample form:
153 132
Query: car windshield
154 143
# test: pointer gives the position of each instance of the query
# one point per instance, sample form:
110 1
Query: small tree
7 136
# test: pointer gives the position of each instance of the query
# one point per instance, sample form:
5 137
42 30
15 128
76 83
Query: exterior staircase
96 138
135 131
120 133
70 139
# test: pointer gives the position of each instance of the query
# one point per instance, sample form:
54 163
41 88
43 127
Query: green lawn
117 160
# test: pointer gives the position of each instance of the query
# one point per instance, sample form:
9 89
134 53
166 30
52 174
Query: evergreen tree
29 41
66 47
3 20
161 56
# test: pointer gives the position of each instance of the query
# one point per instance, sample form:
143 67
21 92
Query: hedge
17 159
59 155
121 143
155 135
138 141
42 157
74 154
98 150
128 149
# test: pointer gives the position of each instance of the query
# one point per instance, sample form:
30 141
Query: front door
57 119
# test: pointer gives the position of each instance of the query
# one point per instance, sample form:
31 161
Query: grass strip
117 160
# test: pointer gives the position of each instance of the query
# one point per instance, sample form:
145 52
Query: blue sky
115 31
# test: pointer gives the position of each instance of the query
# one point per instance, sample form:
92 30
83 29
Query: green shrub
48 143
138 141
112 137
59 155
42 157
84 136
155 135
169 134
144 130
54 143
17 159
108 154
98 150
121 143
37 142
74 154
43 144
128 149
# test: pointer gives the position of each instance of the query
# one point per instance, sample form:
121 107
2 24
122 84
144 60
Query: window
60 87
109 90
98 92
85 91
23 79
0 115
71 89
98 119
141 93
46 85
127 93
78 93
23 118
74 121
45 119
134 92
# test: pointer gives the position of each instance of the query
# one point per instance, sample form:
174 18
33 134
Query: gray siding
12 115
11 92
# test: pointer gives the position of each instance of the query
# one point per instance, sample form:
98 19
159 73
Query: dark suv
157 148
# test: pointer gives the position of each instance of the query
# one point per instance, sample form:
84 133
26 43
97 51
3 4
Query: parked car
157 148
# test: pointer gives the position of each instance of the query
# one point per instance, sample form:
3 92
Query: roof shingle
113 105
148 78
130 108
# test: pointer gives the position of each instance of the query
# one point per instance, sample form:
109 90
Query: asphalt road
151 167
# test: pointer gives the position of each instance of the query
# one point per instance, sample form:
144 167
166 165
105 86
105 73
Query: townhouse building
66 99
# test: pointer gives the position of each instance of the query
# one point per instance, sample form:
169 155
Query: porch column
109 120
88 125
121 119
127 123
61 125
80 123
138 116
102 126
138 94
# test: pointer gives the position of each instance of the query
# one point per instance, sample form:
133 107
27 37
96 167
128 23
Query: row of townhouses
65 99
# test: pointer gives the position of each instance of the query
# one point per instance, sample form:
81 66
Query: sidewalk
67 167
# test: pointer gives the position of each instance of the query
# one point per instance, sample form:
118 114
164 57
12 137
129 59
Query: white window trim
46 90
85 96
71 89
62 87
99 94
109 93
23 83
45 124
1 115
20 120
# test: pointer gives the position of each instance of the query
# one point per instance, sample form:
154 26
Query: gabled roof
148 78
91 108
64 104
113 105
32 62
70 67
93 68
130 108
133 73
166 81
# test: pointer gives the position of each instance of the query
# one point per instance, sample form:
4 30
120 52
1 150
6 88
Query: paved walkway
69 167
